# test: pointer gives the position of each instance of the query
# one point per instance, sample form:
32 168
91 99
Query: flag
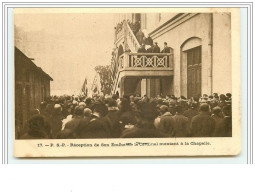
84 89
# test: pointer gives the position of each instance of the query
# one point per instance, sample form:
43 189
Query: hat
148 111
78 110
82 104
163 108
75 102
87 112
204 107
57 108
216 110
112 103
222 97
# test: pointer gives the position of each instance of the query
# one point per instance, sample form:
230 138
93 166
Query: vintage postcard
122 82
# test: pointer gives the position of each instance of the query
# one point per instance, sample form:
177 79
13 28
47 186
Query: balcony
142 65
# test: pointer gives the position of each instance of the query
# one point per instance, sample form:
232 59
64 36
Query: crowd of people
71 117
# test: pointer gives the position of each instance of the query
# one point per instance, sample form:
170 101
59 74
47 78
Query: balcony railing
143 61
150 60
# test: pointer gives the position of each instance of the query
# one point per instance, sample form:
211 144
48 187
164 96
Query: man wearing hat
181 123
56 120
216 114
224 127
165 122
144 127
166 48
156 48
78 122
111 120
140 36
96 127
142 49
203 124
38 128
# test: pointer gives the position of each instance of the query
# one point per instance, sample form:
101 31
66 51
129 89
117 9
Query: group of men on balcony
153 48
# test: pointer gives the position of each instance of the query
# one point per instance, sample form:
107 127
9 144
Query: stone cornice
171 23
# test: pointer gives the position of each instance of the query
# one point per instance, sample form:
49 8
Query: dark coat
95 129
141 50
190 113
148 41
77 125
181 127
217 118
56 124
149 50
224 128
166 50
202 125
111 120
139 36
165 124
127 117
156 49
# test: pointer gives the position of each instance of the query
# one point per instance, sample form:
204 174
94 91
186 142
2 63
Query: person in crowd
88 103
126 114
111 120
149 49
166 48
96 128
38 128
110 116
229 96
115 97
56 120
78 122
191 111
144 127
142 49
172 108
137 27
216 114
224 126
25 129
140 36
87 113
156 48
181 127
148 41
165 122
202 125
222 101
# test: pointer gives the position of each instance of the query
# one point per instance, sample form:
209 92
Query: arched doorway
191 66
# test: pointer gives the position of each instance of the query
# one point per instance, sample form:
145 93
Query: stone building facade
200 54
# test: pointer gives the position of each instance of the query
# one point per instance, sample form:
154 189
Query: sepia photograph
126 82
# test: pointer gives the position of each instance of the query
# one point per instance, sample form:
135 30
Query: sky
67 46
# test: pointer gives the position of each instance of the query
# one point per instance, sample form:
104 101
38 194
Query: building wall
32 86
185 31
198 26
222 53
154 20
